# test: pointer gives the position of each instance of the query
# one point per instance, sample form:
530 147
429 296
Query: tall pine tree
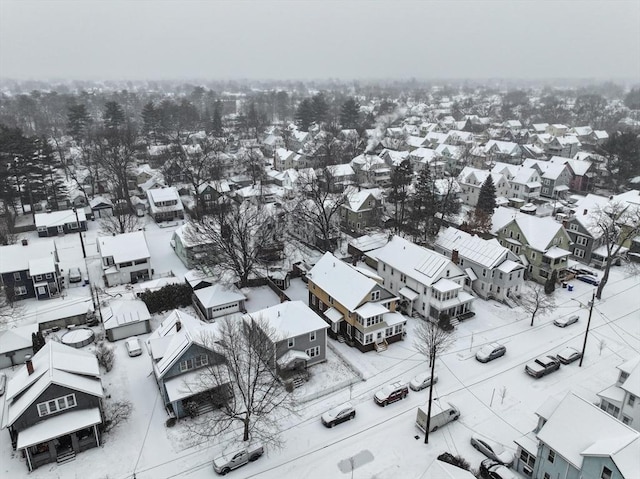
401 177
481 218
305 114
78 121
425 206
350 114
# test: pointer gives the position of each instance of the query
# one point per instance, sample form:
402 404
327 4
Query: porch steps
297 382
66 457
341 338
454 322
381 346
205 407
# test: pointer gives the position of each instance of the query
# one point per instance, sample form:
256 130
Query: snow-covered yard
496 399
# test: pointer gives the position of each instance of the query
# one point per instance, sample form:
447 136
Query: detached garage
15 345
125 318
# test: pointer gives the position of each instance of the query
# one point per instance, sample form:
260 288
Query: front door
60 229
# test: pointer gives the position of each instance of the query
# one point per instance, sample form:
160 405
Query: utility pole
84 252
433 367
586 333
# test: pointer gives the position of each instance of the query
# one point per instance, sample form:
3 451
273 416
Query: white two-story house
494 271
428 283
125 258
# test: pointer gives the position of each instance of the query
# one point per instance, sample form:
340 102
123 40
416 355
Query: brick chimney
584 212
178 325
454 256
27 361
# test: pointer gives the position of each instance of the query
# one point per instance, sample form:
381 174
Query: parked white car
134 348
492 449
422 381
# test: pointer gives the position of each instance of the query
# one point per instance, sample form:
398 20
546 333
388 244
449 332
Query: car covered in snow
569 355
490 469
237 458
422 381
491 351
587 278
75 276
391 393
542 366
564 322
492 449
338 414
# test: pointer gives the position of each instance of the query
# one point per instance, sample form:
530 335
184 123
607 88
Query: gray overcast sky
88 39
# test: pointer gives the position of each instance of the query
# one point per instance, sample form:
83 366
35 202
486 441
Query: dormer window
623 377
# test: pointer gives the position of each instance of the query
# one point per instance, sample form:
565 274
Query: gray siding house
53 405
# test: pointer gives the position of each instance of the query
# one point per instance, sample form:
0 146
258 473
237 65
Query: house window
291 342
626 420
623 377
384 267
312 336
578 253
16 276
546 476
313 352
581 240
606 473
330 300
38 277
20 290
552 456
573 227
194 363
140 261
125 264
368 338
527 458
631 401
375 295
48 276
56 405
403 278
73 225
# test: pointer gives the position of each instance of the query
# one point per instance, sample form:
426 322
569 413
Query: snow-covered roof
157 195
486 253
579 167
632 383
17 338
341 170
423 265
58 218
342 282
368 242
357 198
218 295
289 319
577 427
59 425
100 200
42 266
125 311
443 470
57 364
550 170
124 247
16 257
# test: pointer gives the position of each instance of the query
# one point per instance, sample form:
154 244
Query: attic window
606 473
56 405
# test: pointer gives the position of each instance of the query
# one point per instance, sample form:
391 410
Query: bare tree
9 311
618 223
430 341
232 238
115 413
535 301
256 399
120 222
319 207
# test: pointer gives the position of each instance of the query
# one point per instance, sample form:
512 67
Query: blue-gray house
577 440
57 223
183 358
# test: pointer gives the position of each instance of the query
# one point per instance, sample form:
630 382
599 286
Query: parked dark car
391 393
587 278
338 414
542 366
489 352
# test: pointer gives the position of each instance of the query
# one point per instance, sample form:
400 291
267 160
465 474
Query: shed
62 313
15 345
124 318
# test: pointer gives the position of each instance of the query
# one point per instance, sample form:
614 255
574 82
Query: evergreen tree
623 151
282 105
78 121
401 177
350 114
305 114
216 122
150 119
47 173
487 197
37 341
113 115
320 108
425 206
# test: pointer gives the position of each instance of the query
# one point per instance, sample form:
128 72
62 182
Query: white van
441 414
